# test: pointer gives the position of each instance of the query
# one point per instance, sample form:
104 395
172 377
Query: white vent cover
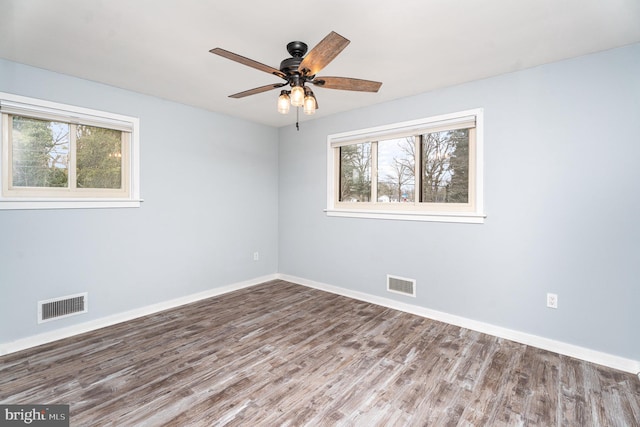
57 308
401 285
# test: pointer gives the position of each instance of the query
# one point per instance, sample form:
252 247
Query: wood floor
282 354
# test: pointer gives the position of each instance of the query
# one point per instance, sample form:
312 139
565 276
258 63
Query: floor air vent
57 308
401 285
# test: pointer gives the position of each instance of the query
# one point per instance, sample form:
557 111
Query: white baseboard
605 359
36 340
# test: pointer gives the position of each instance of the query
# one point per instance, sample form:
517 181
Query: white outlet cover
552 300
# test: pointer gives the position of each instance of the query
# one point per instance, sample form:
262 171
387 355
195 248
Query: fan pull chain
297 118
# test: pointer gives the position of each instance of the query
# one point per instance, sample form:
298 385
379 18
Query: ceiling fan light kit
298 70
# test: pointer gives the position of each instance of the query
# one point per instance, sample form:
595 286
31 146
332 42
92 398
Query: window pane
99 157
355 172
445 167
40 152
396 170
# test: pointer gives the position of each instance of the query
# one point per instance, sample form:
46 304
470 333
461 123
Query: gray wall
562 196
210 188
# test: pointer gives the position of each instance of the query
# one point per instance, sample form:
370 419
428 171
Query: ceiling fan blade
346 83
323 53
248 62
257 90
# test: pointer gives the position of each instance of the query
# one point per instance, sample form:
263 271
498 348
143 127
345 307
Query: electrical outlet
552 300
256 256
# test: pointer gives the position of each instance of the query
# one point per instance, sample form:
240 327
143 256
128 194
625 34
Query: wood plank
283 354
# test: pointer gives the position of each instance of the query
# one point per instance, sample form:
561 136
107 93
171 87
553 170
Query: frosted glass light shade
297 96
309 104
283 103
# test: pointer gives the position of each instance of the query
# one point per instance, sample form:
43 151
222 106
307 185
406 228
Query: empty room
319 214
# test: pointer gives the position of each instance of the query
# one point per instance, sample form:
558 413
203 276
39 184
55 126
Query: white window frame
44 198
472 212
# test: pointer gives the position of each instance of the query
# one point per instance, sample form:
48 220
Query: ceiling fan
299 70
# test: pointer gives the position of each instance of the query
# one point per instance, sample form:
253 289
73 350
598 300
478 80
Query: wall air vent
57 308
401 285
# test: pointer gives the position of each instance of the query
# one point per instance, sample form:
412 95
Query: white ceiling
161 47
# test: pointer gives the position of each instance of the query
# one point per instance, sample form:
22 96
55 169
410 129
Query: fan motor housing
297 50
290 65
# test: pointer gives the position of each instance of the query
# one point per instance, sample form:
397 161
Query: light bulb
297 96
309 104
283 103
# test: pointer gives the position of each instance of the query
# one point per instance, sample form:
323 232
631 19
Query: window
60 156
426 170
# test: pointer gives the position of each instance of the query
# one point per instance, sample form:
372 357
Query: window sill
9 204
461 217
